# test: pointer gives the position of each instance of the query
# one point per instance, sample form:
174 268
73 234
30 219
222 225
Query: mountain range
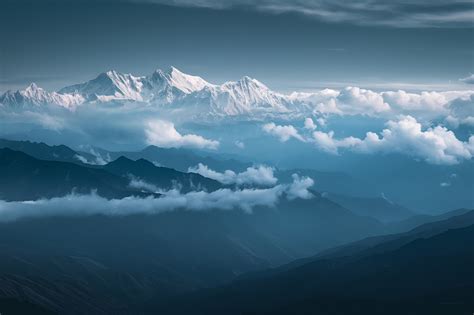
218 262
424 271
300 255
165 167
172 90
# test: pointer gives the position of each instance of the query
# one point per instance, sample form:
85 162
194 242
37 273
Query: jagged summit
174 78
108 86
173 89
185 82
34 96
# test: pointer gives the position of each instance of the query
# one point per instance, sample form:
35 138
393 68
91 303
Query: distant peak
112 74
185 82
248 79
175 72
174 69
122 159
108 74
33 86
248 82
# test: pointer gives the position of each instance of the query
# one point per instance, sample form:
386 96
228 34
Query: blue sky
289 45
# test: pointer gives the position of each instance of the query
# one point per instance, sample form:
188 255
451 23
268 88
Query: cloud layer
222 199
387 104
436 145
260 175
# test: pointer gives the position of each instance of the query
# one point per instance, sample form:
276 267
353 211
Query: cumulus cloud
388 104
424 101
299 188
284 133
321 121
309 124
163 134
327 142
461 112
92 204
436 145
261 175
468 80
352 100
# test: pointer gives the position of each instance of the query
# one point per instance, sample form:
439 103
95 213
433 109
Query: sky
288 45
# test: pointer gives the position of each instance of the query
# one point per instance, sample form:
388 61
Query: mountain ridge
171 89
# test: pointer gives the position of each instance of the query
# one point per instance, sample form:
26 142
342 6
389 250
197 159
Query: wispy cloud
396 13
259 175
92 204
468 80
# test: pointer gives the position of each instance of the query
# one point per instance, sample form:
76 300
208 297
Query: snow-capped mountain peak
33 87
109 86
172 89
33 95
174 78
185 82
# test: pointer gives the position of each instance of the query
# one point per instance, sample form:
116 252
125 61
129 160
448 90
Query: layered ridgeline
427 270
164 168
172 90
144 264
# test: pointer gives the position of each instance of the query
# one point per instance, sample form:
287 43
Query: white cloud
140 184
326 141
354 100
388 104
321 121
163 134
436 145
456 122
98 158
260 175
309 124
284 133
299 188
468 80
92 204
424 101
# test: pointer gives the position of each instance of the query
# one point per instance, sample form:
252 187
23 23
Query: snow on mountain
166 87
185 82
245 96
171 90
109 86
36 96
